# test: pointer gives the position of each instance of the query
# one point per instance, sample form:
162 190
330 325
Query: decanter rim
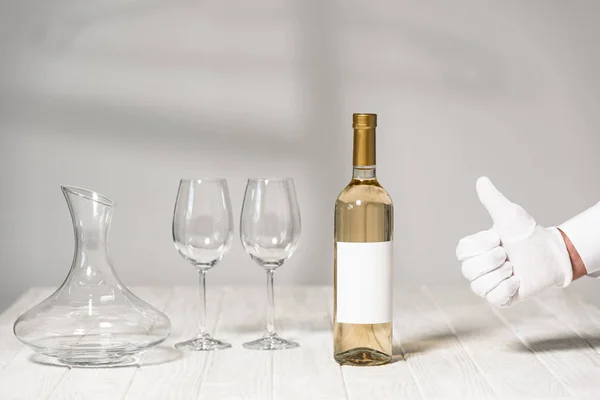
88 194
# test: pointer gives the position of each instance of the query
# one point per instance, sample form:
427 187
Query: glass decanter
92 319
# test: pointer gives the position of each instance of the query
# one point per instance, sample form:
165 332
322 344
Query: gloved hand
516 258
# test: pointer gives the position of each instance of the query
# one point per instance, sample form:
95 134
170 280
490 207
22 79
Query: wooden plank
581 317
24 379
238 373
10 346
17 365
392 381
569 357
103 383
307 372
440 365
456 347
490 344
177 375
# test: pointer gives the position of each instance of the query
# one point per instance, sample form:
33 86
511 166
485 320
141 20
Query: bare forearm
577 264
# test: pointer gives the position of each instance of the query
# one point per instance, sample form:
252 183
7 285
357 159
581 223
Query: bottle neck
364 153
364 173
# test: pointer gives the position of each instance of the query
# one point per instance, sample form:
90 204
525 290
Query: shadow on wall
234 77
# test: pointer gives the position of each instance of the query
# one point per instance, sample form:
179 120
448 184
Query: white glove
516 258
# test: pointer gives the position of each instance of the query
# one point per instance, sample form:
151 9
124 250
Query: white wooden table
450 345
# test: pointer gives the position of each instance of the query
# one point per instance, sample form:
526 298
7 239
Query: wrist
577 264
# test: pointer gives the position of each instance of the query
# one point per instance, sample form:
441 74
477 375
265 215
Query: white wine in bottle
363 258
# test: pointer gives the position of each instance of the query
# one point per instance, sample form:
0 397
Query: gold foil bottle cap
364 121
364 139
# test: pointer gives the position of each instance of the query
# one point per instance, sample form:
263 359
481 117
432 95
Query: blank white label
364 282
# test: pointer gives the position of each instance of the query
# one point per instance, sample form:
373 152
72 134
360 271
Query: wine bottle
363 258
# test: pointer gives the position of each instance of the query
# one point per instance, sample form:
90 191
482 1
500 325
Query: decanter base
98 362
92 350
71 360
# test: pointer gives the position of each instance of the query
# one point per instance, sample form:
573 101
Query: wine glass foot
270 342
202 343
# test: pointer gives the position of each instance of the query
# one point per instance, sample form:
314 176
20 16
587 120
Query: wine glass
269 230
202 233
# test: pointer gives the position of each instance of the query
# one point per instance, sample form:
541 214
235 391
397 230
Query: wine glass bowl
272 244
203 241
269 231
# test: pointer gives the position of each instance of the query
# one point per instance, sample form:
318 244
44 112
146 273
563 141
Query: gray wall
127 97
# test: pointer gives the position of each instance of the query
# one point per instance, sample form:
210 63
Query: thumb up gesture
516 258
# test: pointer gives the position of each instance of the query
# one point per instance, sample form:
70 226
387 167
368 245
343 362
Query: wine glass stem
202 292
270 305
